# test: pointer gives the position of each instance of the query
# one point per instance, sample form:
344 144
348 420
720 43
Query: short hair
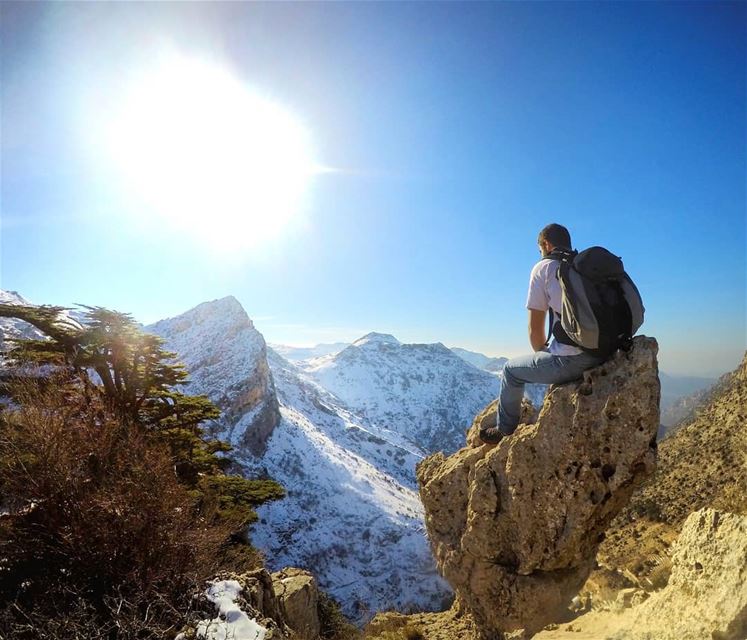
557 235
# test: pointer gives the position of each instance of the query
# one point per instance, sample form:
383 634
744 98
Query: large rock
283 604
706 596
242 603
298 597
515 527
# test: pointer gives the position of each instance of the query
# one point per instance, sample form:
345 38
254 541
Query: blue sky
456 131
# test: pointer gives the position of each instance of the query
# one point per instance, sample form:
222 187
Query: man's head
554 236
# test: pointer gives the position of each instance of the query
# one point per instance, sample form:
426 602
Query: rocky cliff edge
515 527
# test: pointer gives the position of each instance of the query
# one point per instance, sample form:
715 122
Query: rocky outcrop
281 606
298 597
515 527
706 596
703 464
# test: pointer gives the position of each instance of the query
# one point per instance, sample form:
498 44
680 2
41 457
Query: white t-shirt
544 293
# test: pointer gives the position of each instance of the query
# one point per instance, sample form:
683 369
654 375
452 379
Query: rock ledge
515 527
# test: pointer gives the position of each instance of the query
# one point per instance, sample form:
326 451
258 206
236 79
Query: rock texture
515 527
298 597
706 596
703 464
452 624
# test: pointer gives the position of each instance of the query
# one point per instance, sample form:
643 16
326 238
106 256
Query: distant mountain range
680 395
294 354
481 361
424 392
341 426
350 482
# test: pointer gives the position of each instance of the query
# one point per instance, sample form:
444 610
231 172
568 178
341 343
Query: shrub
114 504
733 498
333 624
93 512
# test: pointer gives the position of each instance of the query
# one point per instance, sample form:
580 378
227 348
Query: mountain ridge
350 483
423 391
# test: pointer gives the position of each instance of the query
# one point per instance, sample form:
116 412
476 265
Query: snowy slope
226 358
352 514
534 392
423 391
392 453
10 327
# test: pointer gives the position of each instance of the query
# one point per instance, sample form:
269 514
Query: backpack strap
555 330
562 255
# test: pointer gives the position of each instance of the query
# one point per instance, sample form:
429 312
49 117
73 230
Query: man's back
544 294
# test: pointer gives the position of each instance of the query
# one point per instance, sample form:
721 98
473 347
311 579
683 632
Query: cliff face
706 596
703 464
227 360
515 527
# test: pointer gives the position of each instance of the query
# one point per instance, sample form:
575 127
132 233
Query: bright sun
206 155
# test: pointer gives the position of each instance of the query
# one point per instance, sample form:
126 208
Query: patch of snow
376 338
232 623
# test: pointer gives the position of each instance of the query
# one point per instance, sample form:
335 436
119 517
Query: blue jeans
541 367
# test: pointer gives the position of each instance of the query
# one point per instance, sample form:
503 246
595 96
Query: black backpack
601 307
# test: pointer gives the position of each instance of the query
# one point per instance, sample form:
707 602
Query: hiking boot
491 435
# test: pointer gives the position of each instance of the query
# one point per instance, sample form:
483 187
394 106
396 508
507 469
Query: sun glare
204 154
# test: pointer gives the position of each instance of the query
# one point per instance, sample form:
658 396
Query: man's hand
537 324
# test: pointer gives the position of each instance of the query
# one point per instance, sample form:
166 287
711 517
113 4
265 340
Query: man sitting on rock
557 364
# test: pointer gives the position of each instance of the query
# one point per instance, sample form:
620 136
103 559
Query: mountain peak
12 297
376 338
227 303
222 312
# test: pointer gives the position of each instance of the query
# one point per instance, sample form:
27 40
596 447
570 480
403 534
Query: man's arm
537 335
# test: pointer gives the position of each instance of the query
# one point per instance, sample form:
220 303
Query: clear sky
445 136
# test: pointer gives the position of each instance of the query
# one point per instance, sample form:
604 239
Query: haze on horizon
342 168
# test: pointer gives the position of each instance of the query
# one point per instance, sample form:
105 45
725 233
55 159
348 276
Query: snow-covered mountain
295 354
352 514
342 432
15 329
226 358
479 360
425 392
11 328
